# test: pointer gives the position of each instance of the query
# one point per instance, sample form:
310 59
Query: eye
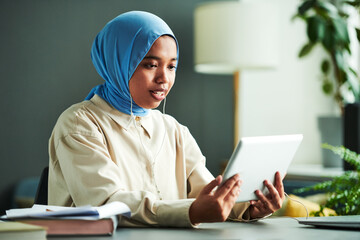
172 67
150 65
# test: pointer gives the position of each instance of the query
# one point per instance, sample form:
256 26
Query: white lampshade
236 35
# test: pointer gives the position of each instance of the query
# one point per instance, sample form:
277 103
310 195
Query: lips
158 94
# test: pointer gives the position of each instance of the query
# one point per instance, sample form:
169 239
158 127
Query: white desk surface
271 228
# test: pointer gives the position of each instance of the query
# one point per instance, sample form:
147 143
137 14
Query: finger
234 193
274 197
253 202
259 207
265 202
214 183
224 189
274 194
279 185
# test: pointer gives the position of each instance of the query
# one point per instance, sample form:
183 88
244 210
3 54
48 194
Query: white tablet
259 158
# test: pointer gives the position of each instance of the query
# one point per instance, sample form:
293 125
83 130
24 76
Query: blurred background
45 67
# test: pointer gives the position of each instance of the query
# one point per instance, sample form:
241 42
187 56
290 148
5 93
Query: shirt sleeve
197 174
92 178
240 212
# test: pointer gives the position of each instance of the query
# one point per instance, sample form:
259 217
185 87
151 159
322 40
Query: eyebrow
157 58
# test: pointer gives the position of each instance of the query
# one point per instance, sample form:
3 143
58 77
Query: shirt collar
123 119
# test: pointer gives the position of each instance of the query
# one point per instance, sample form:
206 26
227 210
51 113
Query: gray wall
45 67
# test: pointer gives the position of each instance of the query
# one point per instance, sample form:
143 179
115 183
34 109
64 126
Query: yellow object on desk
295 209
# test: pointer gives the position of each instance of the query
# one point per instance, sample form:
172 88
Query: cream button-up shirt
153 164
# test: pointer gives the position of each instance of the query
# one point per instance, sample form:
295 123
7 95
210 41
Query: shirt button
137 118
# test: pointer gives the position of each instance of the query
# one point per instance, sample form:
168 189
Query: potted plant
328 25
343 192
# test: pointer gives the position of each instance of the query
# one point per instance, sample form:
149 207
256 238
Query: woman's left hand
271 202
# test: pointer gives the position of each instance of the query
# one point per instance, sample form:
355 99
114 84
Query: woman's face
155 75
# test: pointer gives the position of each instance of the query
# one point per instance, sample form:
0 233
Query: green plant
343 192
328 25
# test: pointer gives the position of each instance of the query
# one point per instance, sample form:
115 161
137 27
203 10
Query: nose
162 76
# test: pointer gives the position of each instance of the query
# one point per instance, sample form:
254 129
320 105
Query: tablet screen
259 158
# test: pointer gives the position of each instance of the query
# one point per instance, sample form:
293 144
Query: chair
24 192
41 196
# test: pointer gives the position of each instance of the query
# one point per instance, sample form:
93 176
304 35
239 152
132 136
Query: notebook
344 222
17 230
259 158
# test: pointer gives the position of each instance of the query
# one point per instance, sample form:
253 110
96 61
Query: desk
271 228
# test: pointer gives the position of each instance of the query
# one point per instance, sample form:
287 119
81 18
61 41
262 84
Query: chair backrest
42 190
24 192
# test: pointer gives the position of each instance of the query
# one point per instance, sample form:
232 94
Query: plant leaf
306 49
354 3
327 87
325 66
341 30
346 154
328 8
353 71
339 59
357 34
315 28
329 38
354 84
306 5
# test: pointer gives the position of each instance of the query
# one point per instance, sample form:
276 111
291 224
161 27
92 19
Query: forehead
164 45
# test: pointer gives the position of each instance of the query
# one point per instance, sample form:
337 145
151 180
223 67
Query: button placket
149 156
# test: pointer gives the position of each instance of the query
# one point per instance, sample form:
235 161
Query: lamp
231 36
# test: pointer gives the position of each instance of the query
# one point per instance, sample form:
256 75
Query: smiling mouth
158 93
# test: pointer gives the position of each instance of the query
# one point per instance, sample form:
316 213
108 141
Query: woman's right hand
215 206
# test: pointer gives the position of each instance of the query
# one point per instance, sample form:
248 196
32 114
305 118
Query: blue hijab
116 52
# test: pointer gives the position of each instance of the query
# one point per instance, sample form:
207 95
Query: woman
114 147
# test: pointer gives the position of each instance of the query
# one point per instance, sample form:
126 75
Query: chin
152 106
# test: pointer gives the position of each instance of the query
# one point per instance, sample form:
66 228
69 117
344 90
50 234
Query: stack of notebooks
61 221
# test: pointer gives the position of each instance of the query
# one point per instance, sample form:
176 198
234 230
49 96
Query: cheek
131 87
135 89
138 90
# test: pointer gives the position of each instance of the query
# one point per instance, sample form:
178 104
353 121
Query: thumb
214 183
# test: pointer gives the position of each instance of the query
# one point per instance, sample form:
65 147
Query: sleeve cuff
240 213
175 213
